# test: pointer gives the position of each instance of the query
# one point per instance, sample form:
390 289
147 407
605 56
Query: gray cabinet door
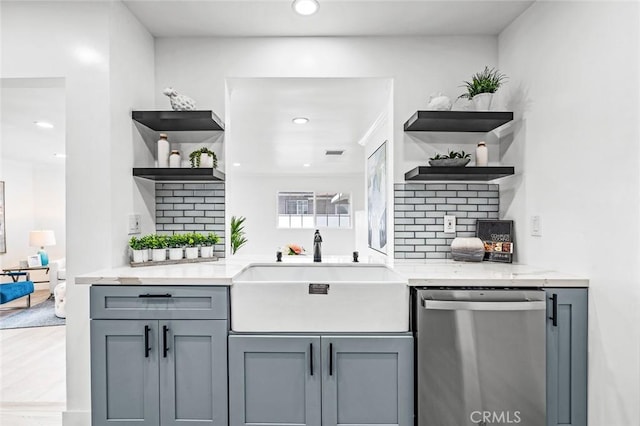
567 358
124 375
193 372
274 380
367 380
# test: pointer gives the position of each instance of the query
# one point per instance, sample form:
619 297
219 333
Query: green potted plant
192 242
158 246
139 249
453 159
482 86
203 157
237 233
211 239
176 244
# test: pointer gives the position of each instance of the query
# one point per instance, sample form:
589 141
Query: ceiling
264 140
256 18
21 106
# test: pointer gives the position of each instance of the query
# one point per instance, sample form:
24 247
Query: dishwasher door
481 357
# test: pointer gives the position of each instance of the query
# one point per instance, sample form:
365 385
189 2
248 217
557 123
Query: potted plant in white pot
176 246
203 158
192 241
482 86
158 245
210 240
138 249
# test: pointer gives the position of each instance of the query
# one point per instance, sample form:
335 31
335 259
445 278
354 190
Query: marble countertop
417 273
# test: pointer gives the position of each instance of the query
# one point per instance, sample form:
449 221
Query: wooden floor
32 373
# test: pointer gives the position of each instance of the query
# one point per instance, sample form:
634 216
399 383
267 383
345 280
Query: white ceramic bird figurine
179 102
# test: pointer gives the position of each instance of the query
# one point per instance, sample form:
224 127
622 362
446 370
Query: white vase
158 255
206 161
191 252
482 155
163 151
175 253
206 251
138 256
482 101
174 159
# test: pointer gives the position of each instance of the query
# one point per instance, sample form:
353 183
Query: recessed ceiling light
305 7
300 120
59 155
43 124
306 165
236 164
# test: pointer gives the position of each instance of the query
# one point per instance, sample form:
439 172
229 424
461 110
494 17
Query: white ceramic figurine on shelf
179 102
439 102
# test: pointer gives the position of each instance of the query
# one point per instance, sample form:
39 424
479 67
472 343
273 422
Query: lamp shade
42 238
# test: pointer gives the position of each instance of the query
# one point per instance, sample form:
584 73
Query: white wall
254 196
573 69
72 40
35 199
419 66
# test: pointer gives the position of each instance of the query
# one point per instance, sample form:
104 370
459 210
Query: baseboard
76 418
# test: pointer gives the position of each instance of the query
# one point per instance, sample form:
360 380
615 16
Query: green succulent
486 81
451 155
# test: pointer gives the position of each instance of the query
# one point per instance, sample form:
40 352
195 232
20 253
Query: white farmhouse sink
291 298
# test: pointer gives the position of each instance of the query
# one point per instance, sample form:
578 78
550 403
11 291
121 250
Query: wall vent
334 152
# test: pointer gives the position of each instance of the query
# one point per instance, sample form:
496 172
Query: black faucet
317 243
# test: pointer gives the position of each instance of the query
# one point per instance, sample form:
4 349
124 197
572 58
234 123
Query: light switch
536 226
449 224
134 224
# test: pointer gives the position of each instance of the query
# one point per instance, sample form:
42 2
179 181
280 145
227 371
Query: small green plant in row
155 241
451 155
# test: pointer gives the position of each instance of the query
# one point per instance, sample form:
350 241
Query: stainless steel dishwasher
481 357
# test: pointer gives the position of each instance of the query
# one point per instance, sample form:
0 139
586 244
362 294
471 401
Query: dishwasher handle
458 305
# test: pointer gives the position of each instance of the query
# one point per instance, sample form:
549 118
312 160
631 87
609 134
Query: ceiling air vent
334 152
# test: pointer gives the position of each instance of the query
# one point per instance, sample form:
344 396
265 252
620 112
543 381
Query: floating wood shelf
458 173
457 121
178 120
179 174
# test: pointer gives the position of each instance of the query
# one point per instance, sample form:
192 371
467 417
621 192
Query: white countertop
418 273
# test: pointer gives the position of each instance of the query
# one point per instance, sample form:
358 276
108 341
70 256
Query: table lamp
42 239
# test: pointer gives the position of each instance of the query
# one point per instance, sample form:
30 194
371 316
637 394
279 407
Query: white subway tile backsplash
419 210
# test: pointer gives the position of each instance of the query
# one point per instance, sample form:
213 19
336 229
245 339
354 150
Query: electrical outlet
536 226
449 224
134 224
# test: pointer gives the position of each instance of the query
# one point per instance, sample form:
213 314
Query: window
311 210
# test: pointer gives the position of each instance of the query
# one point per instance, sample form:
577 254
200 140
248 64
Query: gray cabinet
320 380
567 357
157 372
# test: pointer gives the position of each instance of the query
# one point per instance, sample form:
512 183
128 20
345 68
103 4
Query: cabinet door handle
147 348
165 346
554 310
311 358
146 295
331 359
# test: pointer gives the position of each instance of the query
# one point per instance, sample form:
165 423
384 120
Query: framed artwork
377 199
34 261
3 234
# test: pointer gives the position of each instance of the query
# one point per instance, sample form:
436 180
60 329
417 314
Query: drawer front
158 302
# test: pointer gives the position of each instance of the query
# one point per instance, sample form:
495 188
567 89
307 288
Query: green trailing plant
195 157
238 238
451 155
486 81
